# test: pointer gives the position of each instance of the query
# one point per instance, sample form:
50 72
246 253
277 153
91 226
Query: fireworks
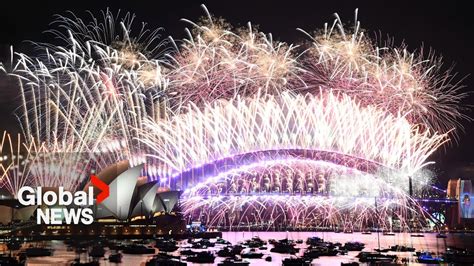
328 123
13 165
264 211
88 98
218 63
389 78
25 163
251 129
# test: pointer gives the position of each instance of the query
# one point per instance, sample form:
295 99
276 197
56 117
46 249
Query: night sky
447 27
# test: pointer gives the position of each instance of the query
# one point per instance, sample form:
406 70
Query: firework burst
220 62
273 115
14 164
326 122
389 78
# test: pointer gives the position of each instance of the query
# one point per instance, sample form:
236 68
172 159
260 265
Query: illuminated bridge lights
244 162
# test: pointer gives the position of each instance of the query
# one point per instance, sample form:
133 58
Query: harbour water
428 242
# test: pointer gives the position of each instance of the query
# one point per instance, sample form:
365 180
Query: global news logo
64 207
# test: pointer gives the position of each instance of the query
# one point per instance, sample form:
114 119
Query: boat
202 257
251 255
225 252
38 252
388 233
296 261
166 245
236 249
198 246
417 235
353 246
284 248
375 257
202 244
382 250
322 251
311 254
427 258
141 241
168 248
97 252
222 241
441 235
138 249
206 242
255 242
116 246
313 240
402 248
164 259
233 262
116 257
365 233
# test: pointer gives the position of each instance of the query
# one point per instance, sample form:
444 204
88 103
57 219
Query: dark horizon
445 28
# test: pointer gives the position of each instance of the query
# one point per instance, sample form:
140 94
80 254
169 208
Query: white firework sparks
327 122
105 95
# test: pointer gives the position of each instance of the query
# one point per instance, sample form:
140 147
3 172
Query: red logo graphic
104 188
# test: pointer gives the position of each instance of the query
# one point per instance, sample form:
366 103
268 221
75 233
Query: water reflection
428 243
